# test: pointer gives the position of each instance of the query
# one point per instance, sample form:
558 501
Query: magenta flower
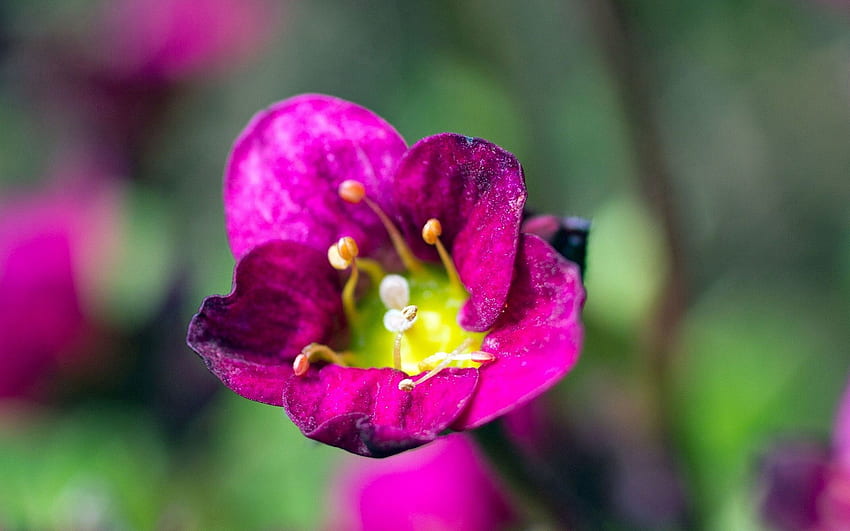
48 243
807 486
458 318
446 485
174 39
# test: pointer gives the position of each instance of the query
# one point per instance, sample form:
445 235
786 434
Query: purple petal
841 432
364 412
285 296
793 476
476 190
445 485
282 177
536 341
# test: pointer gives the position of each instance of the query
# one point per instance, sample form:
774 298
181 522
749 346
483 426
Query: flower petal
477 191
568 235
538 338
285 296
445 485
841 432
363 410
283 173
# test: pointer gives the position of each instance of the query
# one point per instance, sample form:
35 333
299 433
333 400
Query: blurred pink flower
106 85
807 487
834 506
49 244
172 39
445 485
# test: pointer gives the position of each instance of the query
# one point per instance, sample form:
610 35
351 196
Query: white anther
398 321
394 292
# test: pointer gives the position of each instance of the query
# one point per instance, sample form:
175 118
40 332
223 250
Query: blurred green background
708 142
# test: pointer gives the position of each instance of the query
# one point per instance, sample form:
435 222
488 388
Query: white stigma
394 292
398 321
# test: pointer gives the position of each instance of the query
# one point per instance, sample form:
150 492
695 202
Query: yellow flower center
405 322
434 330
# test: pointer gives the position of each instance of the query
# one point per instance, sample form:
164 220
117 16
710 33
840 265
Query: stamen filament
454 278
435 359
353 192
342 255
372 268
408 384
411 263
431 232
348 292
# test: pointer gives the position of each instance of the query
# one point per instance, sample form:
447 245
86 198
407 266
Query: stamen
353 192
456 355
435 359
316 352
337 261
431 232
301 365
348 249
394 291
409 313
341 255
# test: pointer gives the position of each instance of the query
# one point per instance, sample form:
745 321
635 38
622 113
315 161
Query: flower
51 242
428 488
106 84
175 39
568 236
385 363
807 486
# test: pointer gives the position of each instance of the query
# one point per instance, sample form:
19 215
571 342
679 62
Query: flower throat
408 322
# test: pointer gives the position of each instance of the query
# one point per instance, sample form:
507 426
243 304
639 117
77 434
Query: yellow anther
481 357
316 352
336 259
409 313
431 232
347 248
352 191
301 365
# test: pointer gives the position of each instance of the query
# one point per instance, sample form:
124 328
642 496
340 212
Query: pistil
399 321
